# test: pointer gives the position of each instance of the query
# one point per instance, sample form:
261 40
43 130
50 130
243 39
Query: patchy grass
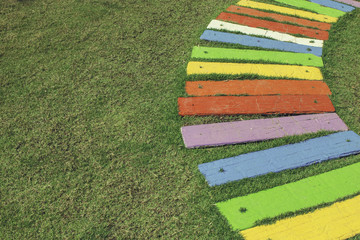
89 136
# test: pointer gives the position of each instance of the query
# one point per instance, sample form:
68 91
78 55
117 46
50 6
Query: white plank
221 25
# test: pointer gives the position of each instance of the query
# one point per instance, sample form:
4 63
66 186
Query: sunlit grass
90 137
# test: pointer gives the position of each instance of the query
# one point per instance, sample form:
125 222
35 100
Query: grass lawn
90 142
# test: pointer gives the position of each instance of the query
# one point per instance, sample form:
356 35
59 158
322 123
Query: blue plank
281 158
245 40
335 5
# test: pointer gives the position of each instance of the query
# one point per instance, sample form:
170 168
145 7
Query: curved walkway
285 79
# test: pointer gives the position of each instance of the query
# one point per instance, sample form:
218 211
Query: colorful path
288 36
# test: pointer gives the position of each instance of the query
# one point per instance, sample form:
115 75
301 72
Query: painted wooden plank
256 87
281 158
245 40
274 26
333 4
338 221
230 105
288 11
304 59
279 17
308 192
225 133
313 7
221 25
350 2
268 70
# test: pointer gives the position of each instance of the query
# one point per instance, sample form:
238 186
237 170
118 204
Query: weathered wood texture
256 87
335 5
259 129
287 11
279 17
245 40
340 221
314 7
281 158
265 70
284 37
231 105
308 192
212 53
274 26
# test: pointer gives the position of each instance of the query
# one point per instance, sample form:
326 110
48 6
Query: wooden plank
338 221
274 26
245 40
230 105
308 192
304 59
225 133
221 25
350 2
281 158
267 70
287 11
256 87
304 4
279 17
335 5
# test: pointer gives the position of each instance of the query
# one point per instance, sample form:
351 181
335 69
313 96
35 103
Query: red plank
230 105
257 87
279 17
274 26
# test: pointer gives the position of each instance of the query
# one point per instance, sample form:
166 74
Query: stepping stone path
230 105
267 70
257 87
281 158
259 129
323 188
225 37
340 220
257 55
289 40
274 26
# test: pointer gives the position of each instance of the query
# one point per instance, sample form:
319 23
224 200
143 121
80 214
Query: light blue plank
281 158
245 40
335 5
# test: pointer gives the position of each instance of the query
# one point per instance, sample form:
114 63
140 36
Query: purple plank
259 129
350 2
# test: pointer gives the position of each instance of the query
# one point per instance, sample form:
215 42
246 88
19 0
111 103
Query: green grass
90 137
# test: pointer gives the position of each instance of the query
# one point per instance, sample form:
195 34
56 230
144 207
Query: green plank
243 212
313 7
304 59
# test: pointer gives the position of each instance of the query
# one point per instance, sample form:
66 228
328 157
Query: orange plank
279 17
257 87
274 26
230 105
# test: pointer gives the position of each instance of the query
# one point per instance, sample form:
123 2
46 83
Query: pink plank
350 2
259 129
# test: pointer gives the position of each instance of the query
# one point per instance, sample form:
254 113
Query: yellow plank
288 11
266 70
338 221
